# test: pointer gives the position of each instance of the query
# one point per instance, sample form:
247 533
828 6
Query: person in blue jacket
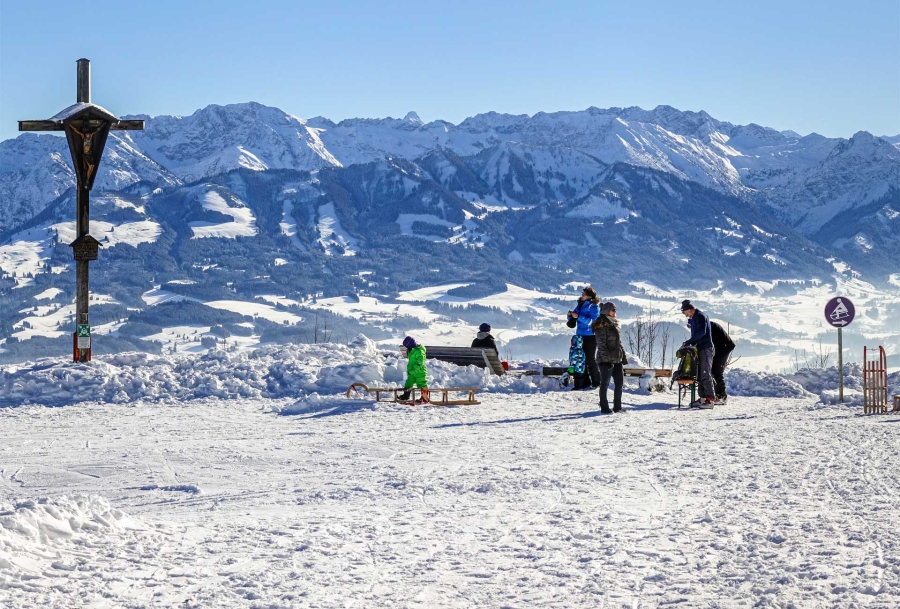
585 313
701 337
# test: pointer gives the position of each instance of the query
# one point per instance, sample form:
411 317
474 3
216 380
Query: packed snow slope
524 500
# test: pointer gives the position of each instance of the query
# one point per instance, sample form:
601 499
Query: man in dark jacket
484 340
701 337
723 346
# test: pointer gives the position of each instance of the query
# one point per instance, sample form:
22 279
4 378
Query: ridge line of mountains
840 193
246 210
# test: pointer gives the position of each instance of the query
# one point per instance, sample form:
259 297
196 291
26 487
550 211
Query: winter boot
403 396
706 404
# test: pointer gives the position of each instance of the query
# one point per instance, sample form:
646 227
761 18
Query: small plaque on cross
86 248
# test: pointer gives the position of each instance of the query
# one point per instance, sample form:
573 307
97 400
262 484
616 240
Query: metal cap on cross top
86 126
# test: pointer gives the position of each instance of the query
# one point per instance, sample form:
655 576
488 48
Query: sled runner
434 396
685 373
628 371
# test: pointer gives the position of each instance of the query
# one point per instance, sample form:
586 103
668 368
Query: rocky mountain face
841 194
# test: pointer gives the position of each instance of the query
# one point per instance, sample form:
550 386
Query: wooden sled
685 386
875 386
436 396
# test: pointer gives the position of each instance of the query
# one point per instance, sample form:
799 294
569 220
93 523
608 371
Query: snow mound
44 539
272 371
824 383
762 384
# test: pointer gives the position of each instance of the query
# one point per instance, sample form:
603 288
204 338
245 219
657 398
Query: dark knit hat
484 328
410 343
686 305
607 308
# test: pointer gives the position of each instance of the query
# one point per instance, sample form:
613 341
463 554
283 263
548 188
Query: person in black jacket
610 356
484 340
724 346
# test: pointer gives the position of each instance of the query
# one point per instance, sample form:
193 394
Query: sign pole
841 364
839 313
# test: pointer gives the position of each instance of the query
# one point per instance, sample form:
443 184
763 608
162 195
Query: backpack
687 364
576 355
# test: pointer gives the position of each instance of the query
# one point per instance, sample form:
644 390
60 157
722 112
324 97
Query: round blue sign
839 312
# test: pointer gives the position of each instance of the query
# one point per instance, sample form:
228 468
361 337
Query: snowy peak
752 136
217 139
866 146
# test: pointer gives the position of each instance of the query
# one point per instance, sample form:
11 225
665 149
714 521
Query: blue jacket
587 312
701 333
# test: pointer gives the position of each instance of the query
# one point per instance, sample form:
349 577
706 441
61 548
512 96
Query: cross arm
51 125
41 126
128 125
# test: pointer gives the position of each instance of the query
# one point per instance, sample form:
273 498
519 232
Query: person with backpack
416 371
584 314
610 356
484 340
723 347
701 338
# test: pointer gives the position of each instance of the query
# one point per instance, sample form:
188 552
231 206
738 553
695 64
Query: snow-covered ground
527 500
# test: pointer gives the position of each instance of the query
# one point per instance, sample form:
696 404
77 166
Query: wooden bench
464 356
629 371
443 400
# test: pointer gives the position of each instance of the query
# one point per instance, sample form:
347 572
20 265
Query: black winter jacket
484 340
721 341
609 341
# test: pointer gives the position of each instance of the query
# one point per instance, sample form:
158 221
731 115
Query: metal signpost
86 126
839 312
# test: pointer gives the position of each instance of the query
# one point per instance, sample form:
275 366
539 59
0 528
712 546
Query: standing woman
610 356
585 313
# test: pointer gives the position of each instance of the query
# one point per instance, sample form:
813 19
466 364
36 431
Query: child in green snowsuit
416 372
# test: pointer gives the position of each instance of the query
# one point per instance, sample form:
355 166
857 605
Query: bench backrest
464 356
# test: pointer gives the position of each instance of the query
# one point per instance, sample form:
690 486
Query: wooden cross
86 126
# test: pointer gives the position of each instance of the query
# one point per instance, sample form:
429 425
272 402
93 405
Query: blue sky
829 67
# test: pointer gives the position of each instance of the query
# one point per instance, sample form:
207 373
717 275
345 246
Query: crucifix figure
86 126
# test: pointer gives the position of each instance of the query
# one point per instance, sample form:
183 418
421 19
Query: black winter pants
616 373
592 373
718 373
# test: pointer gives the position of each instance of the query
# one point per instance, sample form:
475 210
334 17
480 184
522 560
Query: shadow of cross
86 126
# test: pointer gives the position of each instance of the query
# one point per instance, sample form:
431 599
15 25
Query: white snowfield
242 225
526 500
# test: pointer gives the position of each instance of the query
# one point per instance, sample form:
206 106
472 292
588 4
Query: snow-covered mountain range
807 182
237 202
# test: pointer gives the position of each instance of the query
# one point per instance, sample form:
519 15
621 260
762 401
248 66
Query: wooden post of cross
86 126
